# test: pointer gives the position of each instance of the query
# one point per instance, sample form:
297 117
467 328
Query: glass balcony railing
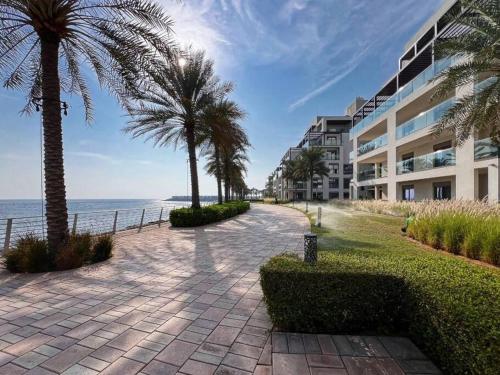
351 156
373 145
419 81
485 149
367 174
441 158
424 119
479 86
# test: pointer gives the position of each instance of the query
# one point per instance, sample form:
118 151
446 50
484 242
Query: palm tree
233 168
292 171
221 131
43 45
170 107
310 164
477 48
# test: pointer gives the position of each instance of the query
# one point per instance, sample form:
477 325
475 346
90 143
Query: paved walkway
170 301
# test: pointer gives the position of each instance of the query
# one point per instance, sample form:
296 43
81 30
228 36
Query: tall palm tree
169 109
311 164
234 161
44 43
477 47
221 131
292 171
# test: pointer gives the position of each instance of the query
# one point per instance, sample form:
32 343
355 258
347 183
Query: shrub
330 297
473 242
449 308
102 249
491 243
455 228
189 217
30 254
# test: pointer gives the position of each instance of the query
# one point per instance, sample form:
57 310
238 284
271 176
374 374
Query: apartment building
395 155
330 133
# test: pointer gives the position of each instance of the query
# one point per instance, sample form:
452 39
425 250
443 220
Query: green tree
170 107
221 130
43 45
234 168
310 164
476 46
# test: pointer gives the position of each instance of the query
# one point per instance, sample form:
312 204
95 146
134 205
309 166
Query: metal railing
373 145
424 119
437 159
419 81
95 222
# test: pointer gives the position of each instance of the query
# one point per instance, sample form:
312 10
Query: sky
290 60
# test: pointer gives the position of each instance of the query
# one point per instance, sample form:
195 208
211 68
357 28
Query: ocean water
85 215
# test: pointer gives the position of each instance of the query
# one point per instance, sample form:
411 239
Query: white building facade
395 154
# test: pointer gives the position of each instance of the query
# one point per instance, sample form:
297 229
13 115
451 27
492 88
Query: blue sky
290 60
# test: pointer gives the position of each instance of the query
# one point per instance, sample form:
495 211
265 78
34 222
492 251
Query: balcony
424 119
419 81
485 149
437 159
373 145
367 174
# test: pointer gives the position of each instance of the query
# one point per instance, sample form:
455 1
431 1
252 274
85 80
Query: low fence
96 222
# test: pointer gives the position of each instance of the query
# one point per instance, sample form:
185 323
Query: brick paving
179 301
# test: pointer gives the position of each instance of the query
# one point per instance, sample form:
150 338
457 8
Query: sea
94 216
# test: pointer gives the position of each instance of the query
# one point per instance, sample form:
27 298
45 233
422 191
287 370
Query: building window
331 140
408 193
407 163
333 195
333 183
317 183
318 196
347 182
442 190
334 168
346 195
347 168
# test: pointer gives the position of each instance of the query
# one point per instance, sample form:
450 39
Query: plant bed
190 217
31 254
448 307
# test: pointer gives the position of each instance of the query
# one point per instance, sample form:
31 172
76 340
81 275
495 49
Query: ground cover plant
192 217
368 279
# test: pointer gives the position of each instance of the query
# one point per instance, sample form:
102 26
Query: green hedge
189 217
450 309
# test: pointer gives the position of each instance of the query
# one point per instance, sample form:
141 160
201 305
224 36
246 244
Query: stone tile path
175 301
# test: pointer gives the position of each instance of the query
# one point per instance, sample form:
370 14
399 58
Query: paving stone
127 339
160 368
84 330
418 366
93 342
239 362
30 360
263 370
141 354
162 338
258 341
225 370
197 368
295 343
368 365
176 353
289 364
401 347
174 326
94 363
79 370
50 320
327 345
311 344
107 353
62 342
123 366
12 369
324 360
67 358
206 358
246 350
223 335
213 349
279 342
343 345
5 358
328 371
39 371
47 350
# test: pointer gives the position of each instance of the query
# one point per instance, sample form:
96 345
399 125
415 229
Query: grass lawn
370 277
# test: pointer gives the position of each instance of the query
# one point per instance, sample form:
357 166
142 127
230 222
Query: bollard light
310 248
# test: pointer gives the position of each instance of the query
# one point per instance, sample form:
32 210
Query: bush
330 297
189 217
30 253
102 249
449 308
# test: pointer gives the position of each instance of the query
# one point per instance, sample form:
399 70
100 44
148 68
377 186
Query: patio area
182 301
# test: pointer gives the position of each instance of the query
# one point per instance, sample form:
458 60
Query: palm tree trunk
55 189
218 174
195 190
311 176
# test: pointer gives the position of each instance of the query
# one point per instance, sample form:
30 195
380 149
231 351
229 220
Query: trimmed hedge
189 217
450 309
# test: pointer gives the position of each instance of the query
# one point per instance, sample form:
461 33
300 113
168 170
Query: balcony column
465 160
493 183
355 183
391 158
